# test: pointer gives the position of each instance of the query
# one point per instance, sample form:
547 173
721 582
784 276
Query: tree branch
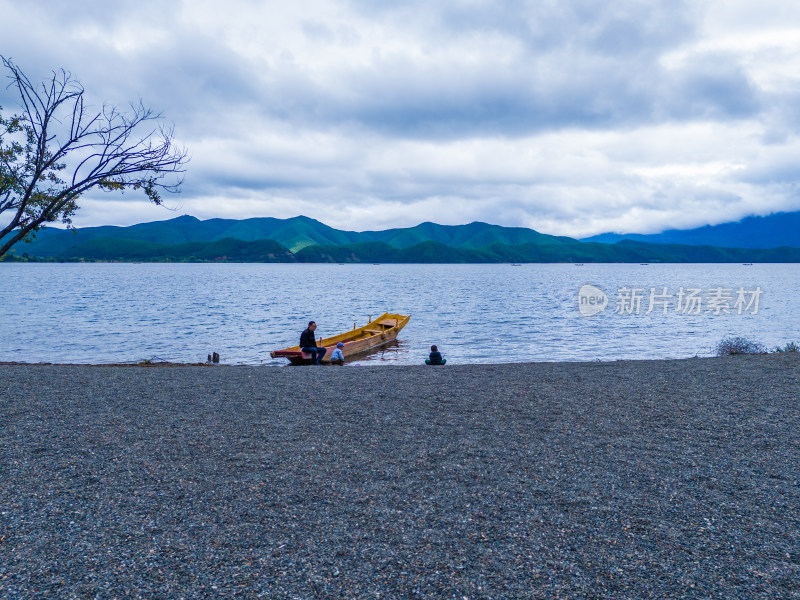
109 149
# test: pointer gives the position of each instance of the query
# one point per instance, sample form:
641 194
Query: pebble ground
651 479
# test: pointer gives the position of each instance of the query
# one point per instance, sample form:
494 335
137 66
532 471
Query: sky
572 117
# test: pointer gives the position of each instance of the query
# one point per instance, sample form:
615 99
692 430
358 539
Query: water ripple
100 313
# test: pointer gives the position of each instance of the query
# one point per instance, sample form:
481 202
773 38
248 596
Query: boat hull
360 340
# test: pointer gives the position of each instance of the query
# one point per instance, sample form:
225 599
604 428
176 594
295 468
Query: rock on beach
631 479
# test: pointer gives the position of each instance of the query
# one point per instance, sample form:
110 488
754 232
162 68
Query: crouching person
337 357
435 357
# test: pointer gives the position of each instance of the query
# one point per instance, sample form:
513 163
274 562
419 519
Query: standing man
308 343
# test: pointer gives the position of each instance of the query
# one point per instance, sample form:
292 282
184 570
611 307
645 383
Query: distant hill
773 231
473 235
626 251
295 234
230 250
301 239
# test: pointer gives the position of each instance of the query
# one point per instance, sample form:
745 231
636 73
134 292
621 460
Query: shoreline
624 479
273 363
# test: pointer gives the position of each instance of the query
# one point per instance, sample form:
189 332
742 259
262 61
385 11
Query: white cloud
572 118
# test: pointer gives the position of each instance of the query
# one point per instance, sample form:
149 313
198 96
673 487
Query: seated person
308 343
435 357
337 358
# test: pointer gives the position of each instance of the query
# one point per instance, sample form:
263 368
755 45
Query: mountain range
295 234
302 239
772 231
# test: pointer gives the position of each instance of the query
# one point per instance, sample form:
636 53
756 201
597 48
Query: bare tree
58 148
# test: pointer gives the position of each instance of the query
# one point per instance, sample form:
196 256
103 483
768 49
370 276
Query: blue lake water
101 313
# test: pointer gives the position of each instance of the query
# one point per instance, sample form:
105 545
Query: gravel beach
635 479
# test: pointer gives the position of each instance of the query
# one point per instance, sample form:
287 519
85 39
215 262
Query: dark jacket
307 339
435 358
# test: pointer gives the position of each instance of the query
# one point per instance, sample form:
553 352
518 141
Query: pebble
632 479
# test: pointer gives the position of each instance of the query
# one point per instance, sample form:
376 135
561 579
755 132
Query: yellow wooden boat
359 340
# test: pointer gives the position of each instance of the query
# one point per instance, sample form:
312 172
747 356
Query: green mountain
301 239
295 234
473 235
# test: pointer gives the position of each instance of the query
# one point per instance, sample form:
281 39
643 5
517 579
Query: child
435 357
337 358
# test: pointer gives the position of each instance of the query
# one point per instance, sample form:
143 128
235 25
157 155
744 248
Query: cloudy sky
572 117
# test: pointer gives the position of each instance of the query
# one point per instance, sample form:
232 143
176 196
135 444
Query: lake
104 312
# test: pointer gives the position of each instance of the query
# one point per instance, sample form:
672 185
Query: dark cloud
398 98
578 64
571 65
627 26
575 114
711 86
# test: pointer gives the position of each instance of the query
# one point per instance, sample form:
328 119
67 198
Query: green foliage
363 252
227 250
109 150
238 251
432 252
739 345
790 347
381 252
